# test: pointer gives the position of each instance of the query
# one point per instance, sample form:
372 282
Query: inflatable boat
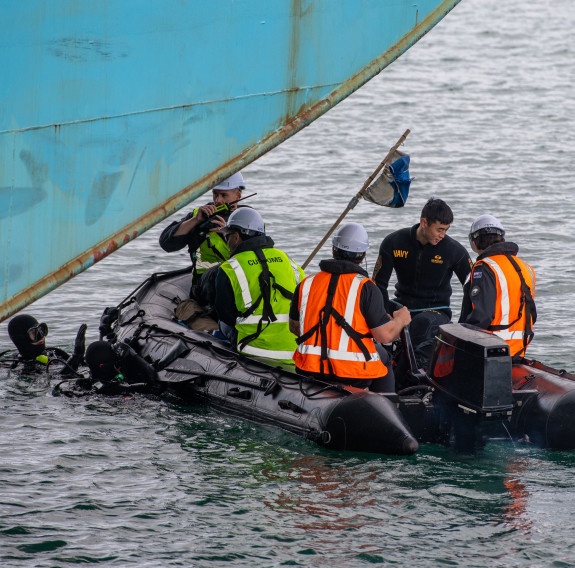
471 393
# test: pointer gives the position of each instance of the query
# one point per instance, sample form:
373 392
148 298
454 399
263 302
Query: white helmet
351 237
485 224
235 181
247 221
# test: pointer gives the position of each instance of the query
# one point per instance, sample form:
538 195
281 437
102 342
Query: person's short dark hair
437 211
484 240
244 234
340 254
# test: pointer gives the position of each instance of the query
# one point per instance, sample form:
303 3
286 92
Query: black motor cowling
474 368
471 372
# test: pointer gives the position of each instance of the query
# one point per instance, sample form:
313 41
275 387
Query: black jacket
171 243
423 271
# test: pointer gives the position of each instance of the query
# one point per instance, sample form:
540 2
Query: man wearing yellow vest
499 295
254 289
203 233
338 312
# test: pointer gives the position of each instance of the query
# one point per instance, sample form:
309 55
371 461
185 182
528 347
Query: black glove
80 343
108 318
134 366
123 351
79 349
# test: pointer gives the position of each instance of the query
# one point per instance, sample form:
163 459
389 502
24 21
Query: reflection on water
516 512
335 495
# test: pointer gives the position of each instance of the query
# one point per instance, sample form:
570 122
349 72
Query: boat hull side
127 127
546 417
368 422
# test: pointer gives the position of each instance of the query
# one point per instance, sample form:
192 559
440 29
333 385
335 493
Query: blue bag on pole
391 188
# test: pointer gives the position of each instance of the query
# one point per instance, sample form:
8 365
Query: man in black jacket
424 259
202 231
342 284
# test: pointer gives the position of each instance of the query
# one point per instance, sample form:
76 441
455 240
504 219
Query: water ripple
488 97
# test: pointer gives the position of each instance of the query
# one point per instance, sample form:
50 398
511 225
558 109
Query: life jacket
328 343
263 281
515 311
211 252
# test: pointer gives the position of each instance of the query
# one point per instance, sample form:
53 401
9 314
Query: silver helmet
235 181
247 221
486 224
351 237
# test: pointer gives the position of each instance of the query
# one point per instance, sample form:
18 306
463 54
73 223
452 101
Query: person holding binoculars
202 231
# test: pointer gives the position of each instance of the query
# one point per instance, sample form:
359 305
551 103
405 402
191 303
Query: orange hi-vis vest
328 343
514 309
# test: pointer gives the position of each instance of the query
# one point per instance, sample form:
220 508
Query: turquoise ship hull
115 114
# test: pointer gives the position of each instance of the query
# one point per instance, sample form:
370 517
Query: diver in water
29 338
115 369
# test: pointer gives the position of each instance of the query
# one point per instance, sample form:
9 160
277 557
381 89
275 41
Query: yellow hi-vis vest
263 323
211 252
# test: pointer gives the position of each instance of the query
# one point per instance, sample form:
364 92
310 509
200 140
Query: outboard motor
471 373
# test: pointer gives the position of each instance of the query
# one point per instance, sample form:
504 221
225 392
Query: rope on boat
298 381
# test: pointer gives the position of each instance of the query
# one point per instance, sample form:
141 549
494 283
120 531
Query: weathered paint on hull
112 118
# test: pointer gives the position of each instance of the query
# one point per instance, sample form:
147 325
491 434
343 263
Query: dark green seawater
489 97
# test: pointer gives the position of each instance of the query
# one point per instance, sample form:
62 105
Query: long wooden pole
357 197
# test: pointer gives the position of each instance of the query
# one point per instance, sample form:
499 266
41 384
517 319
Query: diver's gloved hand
79 349
134 366
107 319
123 350
80 343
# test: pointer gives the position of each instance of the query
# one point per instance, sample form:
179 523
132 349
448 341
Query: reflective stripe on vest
245 285
346 358
243 281
341 352
281 318
285 356
206 256
509 335
508 298
336 354
275 340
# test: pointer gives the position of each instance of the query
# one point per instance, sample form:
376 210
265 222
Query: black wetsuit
423 271
36 366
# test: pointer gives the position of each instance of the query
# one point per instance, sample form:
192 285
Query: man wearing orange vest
338 312
499 295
